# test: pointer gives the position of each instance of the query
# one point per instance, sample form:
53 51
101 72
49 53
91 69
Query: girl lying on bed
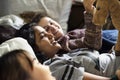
17 62
104 64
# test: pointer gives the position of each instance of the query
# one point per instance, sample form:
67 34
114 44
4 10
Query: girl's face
45 42
51 26
41 72
38 71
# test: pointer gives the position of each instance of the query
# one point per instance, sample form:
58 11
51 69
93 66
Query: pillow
15 43
12 20
110 36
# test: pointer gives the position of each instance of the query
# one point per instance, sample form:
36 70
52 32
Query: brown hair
32 16
12 68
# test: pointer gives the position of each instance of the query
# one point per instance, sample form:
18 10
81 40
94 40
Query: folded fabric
12 20
110 36
15 43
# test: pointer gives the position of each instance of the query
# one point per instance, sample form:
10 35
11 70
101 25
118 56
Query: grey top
71 66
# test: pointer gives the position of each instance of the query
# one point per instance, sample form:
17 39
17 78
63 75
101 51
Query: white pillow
12 20
16 43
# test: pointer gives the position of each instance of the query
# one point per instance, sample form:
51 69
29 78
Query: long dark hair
38 17
6 32
32 16
12 69
27 32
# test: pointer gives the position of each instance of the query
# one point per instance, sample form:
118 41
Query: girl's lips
55 32
54 42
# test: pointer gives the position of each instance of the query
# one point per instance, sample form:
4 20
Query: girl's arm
89 76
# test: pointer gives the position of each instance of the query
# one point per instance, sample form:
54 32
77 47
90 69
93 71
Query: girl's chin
58 46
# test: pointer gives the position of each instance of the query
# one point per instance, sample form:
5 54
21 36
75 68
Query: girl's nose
50 35
52 28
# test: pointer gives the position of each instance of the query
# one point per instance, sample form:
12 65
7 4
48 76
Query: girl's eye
42 34
35 60
47 28
51 23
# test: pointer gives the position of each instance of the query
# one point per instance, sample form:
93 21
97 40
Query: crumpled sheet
12 20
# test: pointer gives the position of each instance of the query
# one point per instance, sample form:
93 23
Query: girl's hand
88 5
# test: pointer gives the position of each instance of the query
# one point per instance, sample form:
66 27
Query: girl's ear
100 14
